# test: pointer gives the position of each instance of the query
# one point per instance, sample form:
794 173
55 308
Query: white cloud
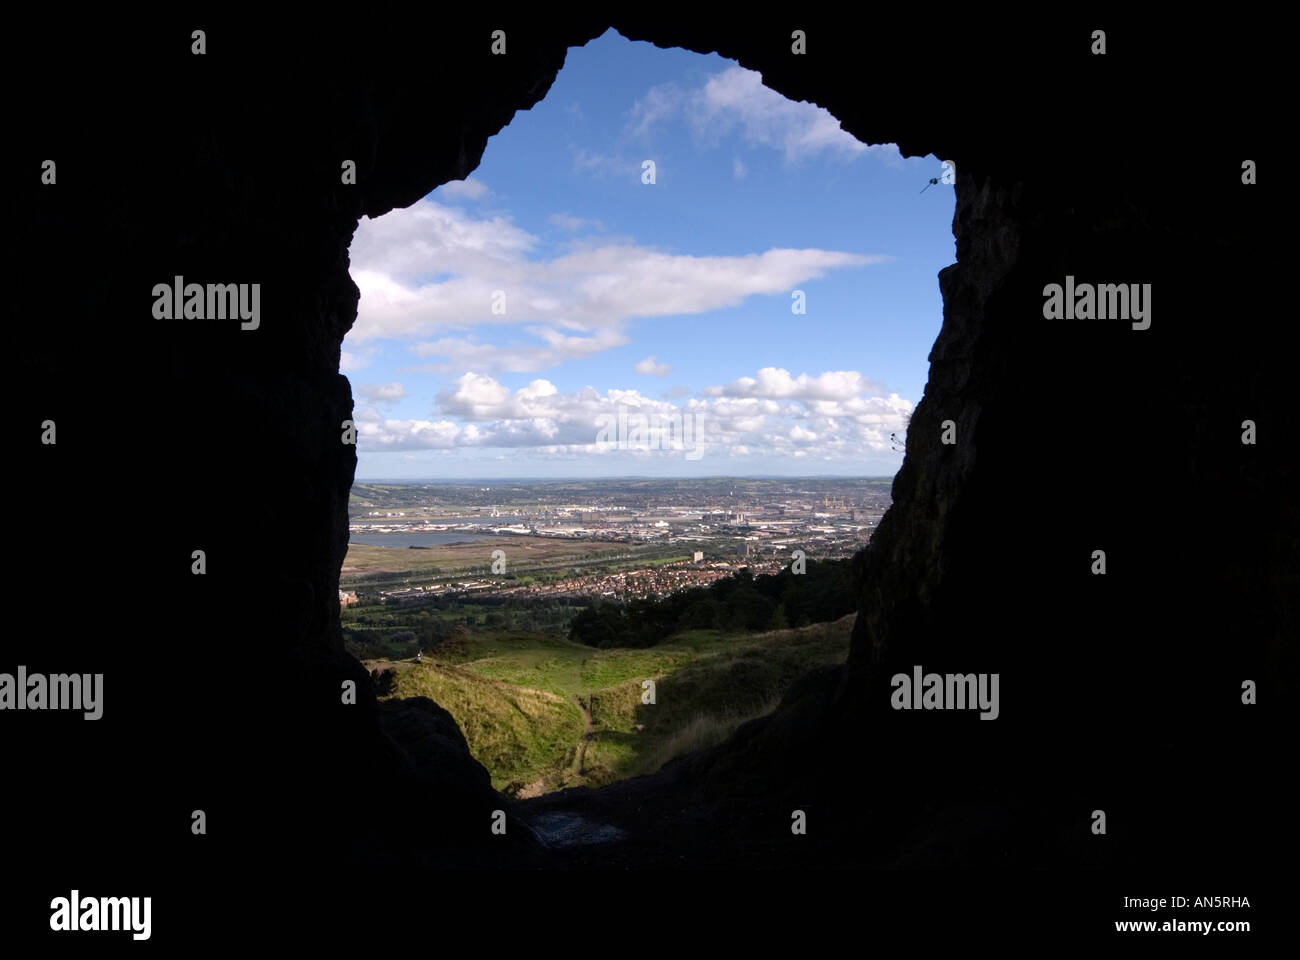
539 420
430 270
776 382
658 104
651 367
738 169
461 352
603 164
476 397
410 243
573 224
380 435
467 189
735 100
358 358
382 392
616 282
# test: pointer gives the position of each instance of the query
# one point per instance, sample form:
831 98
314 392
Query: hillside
543 713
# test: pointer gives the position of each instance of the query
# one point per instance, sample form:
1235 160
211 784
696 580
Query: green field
523 698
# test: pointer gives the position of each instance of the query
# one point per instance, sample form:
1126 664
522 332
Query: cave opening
606 372
1170 448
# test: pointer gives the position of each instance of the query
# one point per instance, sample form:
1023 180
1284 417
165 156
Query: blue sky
555 316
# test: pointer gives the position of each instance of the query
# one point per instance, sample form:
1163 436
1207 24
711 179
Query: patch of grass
703 731
519 734
729 680
513 694
524 659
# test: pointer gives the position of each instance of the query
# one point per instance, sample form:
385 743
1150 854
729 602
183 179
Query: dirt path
586 733
547 782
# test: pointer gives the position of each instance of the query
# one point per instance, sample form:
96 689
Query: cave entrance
613 458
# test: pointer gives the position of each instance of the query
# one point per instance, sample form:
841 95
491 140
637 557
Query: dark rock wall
1119 692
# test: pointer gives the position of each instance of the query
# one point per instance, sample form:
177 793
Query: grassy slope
513 695
516 732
